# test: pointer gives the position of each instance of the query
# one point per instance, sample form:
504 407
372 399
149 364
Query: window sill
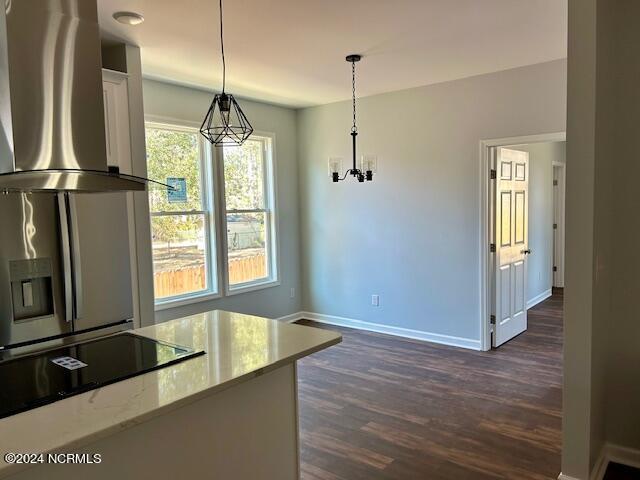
182 301
251 287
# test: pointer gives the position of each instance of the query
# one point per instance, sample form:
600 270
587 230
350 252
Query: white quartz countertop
238 347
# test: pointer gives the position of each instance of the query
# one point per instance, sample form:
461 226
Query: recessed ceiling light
129 18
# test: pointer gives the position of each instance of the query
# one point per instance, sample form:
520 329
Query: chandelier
367 167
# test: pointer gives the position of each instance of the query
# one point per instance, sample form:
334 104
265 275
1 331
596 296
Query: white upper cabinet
116 119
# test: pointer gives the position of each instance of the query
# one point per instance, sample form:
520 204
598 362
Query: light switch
27 294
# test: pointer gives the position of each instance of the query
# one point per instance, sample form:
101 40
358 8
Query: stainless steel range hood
52 135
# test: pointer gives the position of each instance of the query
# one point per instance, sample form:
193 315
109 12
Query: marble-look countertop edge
86 440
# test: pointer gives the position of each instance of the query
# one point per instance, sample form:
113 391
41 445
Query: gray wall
620 327
180 103
579 263
412 235
602 331
540 264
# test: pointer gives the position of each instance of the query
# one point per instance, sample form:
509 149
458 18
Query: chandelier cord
354 128
224 66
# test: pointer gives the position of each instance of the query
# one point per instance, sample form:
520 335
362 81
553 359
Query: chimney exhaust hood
52 130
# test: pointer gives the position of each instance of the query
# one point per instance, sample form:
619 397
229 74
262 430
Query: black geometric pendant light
225 122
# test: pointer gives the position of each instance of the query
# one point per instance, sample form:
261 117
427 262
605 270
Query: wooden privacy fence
169 283
244 269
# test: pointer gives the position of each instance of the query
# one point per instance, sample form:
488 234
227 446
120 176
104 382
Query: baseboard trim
610 453
293 317
600 467
539 298
624 455
390 330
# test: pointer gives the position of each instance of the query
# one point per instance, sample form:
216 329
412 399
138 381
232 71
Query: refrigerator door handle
75 257
66 257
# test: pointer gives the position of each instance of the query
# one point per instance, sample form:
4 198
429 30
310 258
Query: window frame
208 176
272 247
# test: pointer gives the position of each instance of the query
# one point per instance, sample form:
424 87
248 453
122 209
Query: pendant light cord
354 129
224 66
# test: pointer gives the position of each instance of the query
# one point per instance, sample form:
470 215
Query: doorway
522 230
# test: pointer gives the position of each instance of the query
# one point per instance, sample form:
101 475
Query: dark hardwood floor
383 407
615 471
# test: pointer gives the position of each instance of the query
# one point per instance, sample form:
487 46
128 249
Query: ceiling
291 52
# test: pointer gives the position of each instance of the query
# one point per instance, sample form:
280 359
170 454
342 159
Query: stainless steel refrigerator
65 268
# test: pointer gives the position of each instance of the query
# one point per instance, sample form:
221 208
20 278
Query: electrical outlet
293 292
375 300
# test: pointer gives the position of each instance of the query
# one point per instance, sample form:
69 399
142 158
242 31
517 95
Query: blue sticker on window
178 191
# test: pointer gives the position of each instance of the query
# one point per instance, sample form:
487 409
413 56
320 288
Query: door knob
526 252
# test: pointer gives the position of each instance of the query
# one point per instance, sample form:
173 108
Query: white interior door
512 244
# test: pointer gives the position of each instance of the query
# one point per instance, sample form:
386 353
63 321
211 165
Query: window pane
179 254
174 154
246 235
243 176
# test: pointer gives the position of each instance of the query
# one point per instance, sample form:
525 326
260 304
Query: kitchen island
229 414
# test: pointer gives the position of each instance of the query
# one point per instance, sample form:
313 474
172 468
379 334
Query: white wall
186 104
412 235
540 263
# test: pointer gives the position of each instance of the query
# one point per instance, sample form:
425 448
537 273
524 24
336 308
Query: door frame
484 212
558 254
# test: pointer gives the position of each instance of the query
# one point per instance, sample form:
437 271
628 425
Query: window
233 187
249 214
182 220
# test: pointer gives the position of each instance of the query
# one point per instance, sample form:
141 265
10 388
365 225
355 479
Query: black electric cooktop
36 380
